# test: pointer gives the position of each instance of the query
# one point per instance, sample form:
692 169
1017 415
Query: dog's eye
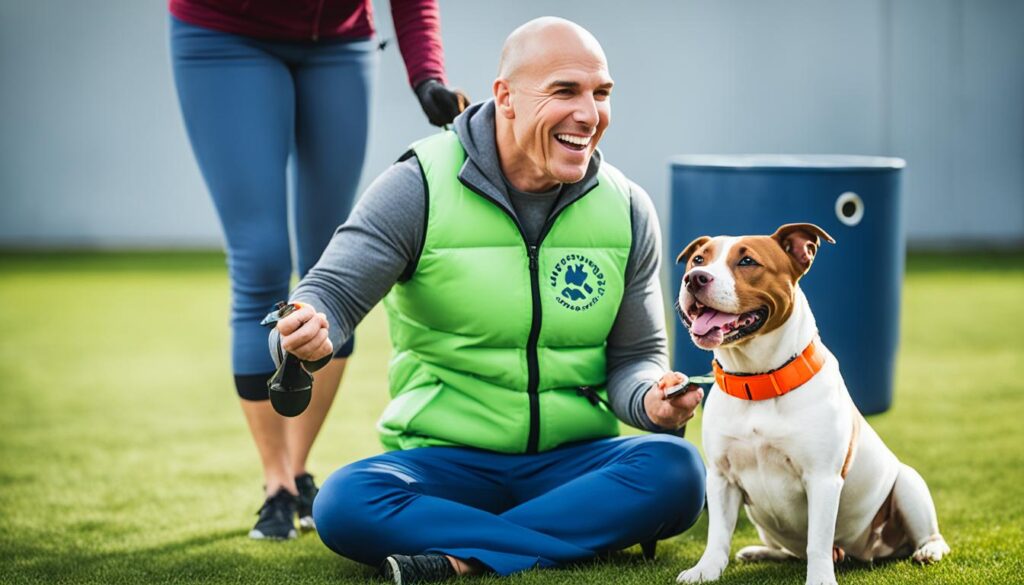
748 261
698 259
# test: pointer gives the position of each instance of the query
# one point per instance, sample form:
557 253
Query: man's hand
304 334
439 103
671 413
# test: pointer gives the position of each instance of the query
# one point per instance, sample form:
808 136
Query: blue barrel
853 287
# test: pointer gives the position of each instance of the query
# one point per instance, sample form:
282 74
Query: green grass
124 457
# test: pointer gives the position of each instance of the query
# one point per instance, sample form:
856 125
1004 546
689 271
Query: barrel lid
788 162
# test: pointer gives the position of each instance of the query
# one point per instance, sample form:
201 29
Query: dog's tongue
710 319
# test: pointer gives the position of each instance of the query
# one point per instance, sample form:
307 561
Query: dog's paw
700 574
821 572
753 554
932 551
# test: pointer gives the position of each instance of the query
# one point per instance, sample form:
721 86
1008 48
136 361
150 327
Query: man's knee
347 511
675 472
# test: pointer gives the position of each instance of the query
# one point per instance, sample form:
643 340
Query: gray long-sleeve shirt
382 239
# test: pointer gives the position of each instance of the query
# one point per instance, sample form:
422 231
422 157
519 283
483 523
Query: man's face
562 107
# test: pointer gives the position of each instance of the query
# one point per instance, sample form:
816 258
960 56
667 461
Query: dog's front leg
822 508
724 500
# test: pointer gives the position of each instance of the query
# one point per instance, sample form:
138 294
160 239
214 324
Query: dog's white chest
763 461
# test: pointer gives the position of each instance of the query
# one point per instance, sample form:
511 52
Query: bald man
520 275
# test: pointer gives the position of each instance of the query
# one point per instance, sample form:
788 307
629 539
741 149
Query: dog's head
736 288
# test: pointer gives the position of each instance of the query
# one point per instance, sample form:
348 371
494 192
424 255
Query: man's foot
277 518
404 570
307 491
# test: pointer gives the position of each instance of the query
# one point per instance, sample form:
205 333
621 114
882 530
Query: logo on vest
578 281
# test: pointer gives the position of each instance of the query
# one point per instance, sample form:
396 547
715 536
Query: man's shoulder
398 189
638 196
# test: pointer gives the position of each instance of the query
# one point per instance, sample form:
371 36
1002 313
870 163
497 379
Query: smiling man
520 275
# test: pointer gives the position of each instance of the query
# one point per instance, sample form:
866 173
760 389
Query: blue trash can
853 287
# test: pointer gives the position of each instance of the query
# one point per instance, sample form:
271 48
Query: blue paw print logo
578 281
576 287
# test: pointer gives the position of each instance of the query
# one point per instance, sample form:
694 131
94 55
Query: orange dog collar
791 376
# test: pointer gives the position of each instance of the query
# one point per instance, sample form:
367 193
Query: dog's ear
800 241
690 248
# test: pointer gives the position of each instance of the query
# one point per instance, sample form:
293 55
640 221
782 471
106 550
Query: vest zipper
532 365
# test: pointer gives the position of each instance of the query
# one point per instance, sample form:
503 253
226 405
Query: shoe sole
306 524
257 535
395 573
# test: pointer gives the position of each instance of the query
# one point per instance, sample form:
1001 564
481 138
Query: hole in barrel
849 208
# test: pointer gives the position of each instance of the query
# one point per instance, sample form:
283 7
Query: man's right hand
670 413
304 334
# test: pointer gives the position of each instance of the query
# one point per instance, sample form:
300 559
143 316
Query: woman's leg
302 430
333 87
238 104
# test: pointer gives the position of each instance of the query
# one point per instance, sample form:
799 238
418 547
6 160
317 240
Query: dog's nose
697 279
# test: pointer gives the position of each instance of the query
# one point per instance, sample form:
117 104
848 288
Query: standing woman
259 80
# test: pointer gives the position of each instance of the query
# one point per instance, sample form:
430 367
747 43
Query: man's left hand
672 413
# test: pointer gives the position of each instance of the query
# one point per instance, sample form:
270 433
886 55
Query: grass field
124 457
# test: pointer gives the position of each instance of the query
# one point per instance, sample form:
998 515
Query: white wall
94 153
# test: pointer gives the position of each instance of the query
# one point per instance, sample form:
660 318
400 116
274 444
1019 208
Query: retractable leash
594 398
678 389
291 386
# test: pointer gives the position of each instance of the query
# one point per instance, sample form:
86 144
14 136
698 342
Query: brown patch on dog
694 246
851 449
886 512
779 260
887 526
766 282
838 554
800 241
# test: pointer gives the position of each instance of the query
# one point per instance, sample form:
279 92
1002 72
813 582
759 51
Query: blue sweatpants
248 105
512 512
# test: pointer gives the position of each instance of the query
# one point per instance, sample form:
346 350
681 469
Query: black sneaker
277 518
405 570
307 491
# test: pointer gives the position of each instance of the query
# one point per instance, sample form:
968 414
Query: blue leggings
248 104
512 512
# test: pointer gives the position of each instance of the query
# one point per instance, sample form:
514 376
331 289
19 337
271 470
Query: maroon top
417 25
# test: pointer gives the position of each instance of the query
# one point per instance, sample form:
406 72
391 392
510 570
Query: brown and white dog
781 434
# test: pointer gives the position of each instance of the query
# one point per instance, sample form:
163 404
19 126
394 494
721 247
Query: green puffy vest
493 339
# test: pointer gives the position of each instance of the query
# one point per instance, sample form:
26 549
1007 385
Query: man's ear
690 248
800 241
503 99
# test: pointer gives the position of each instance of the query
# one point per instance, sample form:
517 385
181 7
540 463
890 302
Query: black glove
439 103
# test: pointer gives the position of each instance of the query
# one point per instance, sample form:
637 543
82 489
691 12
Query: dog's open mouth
710 327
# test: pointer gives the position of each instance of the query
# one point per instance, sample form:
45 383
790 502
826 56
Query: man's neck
519 170
516 191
